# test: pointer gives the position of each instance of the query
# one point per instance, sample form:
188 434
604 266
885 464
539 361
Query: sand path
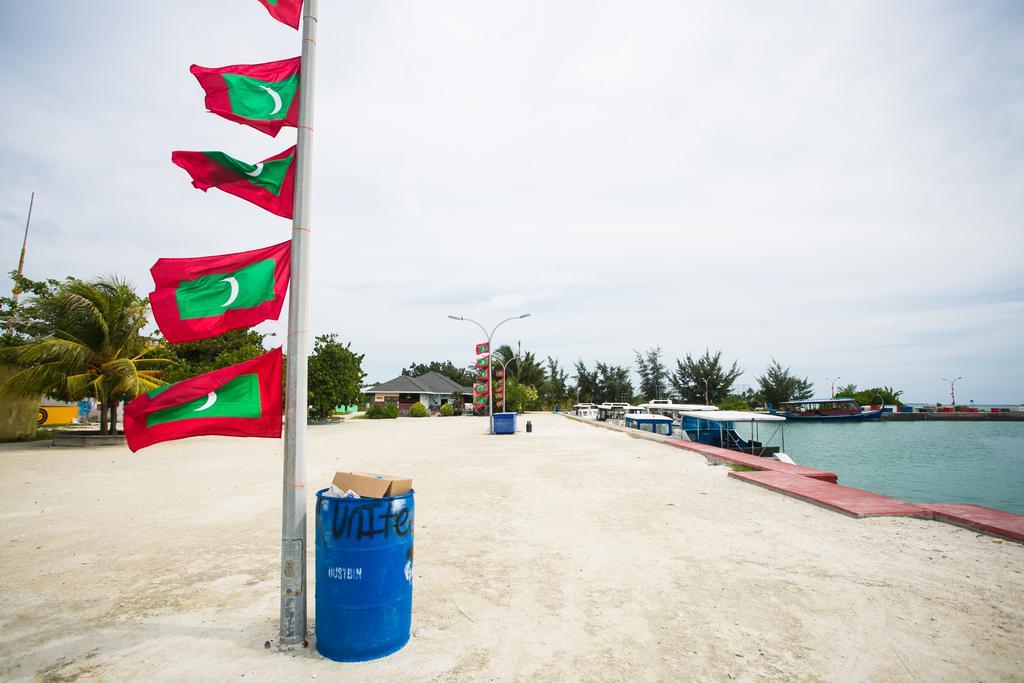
568 553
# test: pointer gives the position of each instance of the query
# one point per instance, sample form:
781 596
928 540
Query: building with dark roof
432 389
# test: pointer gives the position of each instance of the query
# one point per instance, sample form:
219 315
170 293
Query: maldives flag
285 11
480 389
482 362
264 96
269 184
239 400
483 348
197 298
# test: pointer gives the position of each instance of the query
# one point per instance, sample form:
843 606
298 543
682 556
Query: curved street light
833 380
952 389
504 369
490 373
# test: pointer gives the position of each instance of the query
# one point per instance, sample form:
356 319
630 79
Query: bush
447 410
378 412
418 410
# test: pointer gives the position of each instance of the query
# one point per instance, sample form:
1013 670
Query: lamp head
455 317
524 315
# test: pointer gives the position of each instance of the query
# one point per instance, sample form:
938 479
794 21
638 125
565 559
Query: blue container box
504 423
364 551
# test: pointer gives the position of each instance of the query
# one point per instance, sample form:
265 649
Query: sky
836 185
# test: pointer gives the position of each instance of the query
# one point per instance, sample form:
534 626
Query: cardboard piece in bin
370 485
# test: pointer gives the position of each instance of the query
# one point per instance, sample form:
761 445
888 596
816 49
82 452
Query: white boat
587 410
612 411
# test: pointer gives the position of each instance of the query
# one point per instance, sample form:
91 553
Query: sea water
920 462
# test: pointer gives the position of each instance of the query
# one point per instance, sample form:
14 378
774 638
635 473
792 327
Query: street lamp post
504 369
833 380
490 373
952 389
707 399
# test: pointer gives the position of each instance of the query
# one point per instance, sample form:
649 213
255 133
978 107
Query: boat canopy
647 417
733 416
811 401
677 406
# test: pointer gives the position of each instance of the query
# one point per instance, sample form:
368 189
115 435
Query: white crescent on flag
276 97
233 283
211 398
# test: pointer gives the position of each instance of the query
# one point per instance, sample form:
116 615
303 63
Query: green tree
734 402
555 389
778 385
846 391
613 384
335 375
83 339
520 365
586 382
460 375
520 397
704 379
206 355
25 318
653 373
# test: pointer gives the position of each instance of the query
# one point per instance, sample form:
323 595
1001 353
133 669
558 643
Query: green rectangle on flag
238 398
212 295
253 98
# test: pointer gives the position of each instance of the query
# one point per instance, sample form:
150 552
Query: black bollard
529 426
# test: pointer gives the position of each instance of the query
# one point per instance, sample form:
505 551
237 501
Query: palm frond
48 378
50 350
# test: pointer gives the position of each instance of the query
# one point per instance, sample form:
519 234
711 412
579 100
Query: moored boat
826 409
718 428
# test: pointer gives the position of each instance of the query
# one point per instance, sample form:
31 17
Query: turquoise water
921 462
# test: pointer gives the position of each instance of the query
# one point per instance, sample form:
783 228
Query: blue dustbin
504 423
363 575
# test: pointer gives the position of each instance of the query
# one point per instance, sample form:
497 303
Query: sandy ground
567 554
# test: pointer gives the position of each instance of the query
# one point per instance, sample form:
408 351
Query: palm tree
92 347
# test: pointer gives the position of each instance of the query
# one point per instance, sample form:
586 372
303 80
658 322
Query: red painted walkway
755 461
844 499
979 518
820 487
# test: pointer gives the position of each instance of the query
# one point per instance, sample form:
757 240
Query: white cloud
843 179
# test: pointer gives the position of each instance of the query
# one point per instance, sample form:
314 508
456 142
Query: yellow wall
58 415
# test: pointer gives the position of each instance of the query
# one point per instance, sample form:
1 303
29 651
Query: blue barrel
504 423
363 575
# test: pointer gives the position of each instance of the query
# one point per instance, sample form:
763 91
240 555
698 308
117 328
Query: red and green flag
239 400
197 298
482 362
286 11
480 389
269 184
264 96
483 348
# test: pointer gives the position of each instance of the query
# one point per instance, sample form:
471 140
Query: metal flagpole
293 512
21 264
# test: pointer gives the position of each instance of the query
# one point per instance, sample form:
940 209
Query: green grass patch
736 467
